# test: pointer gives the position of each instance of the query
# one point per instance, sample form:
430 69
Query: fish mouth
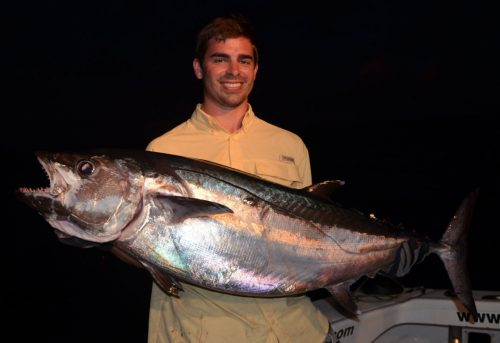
43 198
56 203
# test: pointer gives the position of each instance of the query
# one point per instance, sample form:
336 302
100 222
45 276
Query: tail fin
454 256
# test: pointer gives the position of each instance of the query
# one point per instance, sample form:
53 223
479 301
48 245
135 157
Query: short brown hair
222 28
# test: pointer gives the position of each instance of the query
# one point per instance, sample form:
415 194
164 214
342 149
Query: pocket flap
280 172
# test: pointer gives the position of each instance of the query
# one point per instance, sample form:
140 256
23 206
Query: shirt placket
235 153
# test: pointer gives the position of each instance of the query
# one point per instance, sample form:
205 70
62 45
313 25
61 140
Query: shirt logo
287 159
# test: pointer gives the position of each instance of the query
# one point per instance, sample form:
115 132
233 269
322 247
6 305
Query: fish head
91 197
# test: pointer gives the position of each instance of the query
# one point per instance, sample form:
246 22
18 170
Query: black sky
399 99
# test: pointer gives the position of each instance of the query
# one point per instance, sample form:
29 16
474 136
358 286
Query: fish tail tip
454 252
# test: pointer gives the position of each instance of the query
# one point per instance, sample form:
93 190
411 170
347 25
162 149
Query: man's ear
255 72
198 70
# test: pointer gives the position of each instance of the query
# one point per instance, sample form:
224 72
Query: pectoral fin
184 207
343 301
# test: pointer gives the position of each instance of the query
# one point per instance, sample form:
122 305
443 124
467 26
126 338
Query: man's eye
218 60
246 61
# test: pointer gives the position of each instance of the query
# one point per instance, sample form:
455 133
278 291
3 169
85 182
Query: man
225 130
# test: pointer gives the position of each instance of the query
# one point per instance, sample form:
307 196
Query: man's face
228 72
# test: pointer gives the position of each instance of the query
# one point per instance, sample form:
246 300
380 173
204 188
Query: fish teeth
34 190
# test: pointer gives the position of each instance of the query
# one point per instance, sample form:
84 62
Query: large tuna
215 227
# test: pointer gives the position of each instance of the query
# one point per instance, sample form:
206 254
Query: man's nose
233 68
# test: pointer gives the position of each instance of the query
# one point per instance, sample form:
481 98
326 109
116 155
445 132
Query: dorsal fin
325 189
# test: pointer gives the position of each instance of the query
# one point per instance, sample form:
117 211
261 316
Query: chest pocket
283 173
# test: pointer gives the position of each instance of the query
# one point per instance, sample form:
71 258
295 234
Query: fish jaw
89 197
47 201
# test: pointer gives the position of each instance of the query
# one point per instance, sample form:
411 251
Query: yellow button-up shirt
257 147
200 315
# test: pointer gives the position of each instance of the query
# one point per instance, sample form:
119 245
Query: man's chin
233 102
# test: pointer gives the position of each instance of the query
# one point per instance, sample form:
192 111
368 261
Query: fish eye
85 168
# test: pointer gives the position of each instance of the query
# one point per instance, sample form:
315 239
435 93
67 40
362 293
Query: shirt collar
204 121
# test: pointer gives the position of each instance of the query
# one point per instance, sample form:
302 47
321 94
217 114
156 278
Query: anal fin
343 301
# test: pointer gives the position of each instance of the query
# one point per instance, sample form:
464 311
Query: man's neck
230 119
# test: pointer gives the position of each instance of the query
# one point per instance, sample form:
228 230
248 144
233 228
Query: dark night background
399 100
